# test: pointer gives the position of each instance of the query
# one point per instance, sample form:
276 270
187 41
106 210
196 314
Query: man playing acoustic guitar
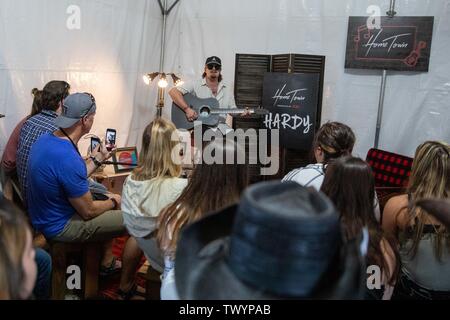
210 86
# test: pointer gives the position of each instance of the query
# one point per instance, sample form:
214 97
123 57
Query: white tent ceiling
119 40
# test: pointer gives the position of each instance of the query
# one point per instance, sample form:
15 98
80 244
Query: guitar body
198 104
208 111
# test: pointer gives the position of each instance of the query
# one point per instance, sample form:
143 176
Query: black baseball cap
213 60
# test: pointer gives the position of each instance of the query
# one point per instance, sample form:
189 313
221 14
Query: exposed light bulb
179 82
162 83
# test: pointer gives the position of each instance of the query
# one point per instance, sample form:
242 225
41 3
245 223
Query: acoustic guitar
208 112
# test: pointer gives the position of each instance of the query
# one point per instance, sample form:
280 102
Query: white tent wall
416 105
117 42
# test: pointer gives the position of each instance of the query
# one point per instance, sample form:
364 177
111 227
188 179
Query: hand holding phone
94 143
98 149
110 139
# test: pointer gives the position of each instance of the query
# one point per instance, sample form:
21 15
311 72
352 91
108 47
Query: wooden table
111 180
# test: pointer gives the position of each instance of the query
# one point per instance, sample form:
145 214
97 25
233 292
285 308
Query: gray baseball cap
74 108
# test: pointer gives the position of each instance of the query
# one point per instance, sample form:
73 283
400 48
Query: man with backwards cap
59 201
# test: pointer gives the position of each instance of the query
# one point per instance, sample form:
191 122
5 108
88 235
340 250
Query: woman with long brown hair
424 241
18 268
211 187
350 184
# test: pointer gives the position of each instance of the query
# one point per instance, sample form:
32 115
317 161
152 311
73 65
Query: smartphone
94 143
110 139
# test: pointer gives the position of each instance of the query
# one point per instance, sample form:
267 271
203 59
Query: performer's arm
178 99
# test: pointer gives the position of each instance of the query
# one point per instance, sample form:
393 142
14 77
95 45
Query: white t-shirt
142 202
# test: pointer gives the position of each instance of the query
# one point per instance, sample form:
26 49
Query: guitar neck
230 111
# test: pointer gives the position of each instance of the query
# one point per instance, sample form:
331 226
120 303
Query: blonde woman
424 241
154 184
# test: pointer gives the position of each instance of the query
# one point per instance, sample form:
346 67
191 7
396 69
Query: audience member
52 95
10 152
283 241
424 241
211 187
350 184
18 270
333 140
153 185
60 204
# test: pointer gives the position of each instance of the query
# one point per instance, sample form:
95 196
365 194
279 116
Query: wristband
116 205
96 162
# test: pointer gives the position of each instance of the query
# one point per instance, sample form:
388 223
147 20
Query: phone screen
110 139
94 143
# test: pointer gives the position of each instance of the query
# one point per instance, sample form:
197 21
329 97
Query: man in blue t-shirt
59 201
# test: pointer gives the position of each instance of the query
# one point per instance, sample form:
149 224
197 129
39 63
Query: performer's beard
214 76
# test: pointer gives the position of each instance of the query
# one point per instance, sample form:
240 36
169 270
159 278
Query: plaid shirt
32 129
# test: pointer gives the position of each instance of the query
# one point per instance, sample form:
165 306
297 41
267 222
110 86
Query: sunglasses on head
215 66
92 103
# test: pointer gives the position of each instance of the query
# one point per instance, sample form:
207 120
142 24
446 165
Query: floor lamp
162 84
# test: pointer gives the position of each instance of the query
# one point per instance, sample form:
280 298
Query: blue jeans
44 266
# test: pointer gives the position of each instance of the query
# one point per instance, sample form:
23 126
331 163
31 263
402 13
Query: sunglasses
215 66
92 103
